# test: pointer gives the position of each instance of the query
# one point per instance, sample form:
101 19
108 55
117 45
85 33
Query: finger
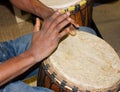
59 22
63 33
60 27
72 31
73 22
37 25
61 18
49 21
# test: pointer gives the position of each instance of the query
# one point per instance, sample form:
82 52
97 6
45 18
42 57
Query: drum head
86 61
59 4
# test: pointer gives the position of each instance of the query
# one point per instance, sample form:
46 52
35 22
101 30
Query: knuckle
59 27
50 19
59 37
56 21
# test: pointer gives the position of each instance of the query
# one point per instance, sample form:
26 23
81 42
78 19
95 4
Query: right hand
45 41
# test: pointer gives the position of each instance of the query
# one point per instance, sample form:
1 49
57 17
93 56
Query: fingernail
69 19
77 25
59 11
68 13
72 33
68 29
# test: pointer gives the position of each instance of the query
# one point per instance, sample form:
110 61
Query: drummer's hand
45 41
49 12
73 27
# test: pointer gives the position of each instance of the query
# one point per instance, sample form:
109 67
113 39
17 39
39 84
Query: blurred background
107 18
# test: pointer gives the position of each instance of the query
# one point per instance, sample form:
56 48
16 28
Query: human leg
20 86
12 48
87 29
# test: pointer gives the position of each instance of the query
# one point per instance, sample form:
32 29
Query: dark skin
37 8
49 35
33 6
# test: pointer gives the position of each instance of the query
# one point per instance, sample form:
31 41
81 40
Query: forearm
33 6
15 66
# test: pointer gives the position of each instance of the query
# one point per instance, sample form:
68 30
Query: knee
87 29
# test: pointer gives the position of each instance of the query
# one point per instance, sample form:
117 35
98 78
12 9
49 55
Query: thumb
37 25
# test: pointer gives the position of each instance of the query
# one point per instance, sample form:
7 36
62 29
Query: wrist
34 56
41 10
47 12
28 55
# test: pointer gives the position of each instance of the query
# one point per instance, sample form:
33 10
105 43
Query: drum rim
81 88
63 6
58 81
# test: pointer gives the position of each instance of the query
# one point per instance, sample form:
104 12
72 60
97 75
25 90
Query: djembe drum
81 63
81 10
